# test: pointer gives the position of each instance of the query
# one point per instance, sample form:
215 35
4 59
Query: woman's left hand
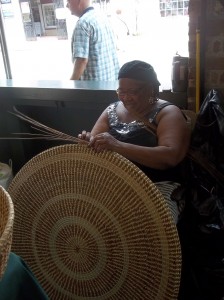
103 141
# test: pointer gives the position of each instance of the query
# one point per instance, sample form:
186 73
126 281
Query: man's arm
79 67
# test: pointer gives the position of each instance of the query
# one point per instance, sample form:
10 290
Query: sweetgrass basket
6 228
93 226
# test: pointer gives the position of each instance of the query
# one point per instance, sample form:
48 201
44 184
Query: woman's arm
173 140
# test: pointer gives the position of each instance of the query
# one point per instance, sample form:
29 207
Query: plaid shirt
94 39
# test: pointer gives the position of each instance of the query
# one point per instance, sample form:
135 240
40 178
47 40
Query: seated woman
150 132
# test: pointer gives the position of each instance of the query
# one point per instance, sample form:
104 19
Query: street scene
144 35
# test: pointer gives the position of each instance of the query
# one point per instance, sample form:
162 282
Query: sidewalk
44 59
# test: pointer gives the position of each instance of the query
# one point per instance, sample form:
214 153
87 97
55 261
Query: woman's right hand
85 136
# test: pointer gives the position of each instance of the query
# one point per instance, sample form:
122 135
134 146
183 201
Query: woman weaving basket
150 132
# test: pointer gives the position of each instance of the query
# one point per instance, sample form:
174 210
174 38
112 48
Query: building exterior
49 17
174 7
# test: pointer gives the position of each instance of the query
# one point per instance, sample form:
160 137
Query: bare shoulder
171 118
169 111
172 123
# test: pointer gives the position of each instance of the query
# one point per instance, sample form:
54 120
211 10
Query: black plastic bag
201 228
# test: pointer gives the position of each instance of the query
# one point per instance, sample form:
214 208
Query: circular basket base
94 226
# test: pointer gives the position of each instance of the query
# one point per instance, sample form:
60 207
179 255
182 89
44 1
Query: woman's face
134 94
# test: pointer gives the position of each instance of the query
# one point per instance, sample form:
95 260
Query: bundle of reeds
42 131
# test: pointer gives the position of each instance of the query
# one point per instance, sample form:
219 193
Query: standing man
94 51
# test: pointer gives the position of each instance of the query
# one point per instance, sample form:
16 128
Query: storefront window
49 15
38 35
173 8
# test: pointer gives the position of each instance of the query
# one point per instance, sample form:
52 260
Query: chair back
191 118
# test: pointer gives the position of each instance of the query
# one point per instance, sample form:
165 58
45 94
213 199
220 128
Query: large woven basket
6 228
93 226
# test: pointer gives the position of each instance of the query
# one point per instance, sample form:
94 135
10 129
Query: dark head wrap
139 70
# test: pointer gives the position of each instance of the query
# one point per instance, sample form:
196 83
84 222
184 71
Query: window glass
2 69
49 16
38 35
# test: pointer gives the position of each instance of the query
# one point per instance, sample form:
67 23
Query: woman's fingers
84 135
102 141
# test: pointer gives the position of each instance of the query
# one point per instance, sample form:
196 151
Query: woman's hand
103 141
84 136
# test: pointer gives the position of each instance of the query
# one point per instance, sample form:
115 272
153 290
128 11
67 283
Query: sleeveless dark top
137 134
